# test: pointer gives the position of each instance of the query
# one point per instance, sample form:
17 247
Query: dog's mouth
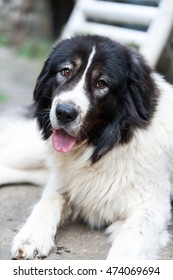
62 141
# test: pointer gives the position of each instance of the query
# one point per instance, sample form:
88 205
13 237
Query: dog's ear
139 97
141 92
42 100
105 140
41 80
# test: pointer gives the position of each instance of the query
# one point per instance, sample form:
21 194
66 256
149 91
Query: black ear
105 139
41 80
141 91
134 109
42 100
47 77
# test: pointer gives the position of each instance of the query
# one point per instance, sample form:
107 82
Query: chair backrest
146 26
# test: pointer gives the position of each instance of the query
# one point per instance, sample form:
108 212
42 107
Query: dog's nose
66 112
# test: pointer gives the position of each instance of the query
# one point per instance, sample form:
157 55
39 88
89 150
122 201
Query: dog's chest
96 192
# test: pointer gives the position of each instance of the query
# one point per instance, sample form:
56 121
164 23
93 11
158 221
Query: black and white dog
107 120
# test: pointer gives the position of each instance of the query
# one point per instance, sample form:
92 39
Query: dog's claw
35 254
20 255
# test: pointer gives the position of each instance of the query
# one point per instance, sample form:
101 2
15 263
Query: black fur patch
128 104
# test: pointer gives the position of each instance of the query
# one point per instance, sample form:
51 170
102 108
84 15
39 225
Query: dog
107 120
22 154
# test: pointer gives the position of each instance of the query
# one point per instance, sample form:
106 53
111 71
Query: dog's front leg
36 237
142 234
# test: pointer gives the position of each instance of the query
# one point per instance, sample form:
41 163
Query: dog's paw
31 245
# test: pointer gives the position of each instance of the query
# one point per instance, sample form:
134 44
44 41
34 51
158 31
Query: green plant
133 45
4 40
2 97
34 48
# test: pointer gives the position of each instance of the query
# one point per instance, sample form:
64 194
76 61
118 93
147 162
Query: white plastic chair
111 19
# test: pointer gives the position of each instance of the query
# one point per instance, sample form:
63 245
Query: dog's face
93 90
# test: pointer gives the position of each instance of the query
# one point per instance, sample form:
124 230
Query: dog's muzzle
65 126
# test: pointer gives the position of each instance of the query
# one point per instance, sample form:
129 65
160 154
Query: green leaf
2 97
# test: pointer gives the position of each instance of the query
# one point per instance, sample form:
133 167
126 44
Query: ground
76 241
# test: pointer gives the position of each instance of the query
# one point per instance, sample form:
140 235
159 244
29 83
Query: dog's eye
66 72
101 84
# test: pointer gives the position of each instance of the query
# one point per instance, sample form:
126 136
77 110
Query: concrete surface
74 241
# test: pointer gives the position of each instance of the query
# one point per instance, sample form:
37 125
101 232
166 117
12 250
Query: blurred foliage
34 48
2 97
4 40
133 45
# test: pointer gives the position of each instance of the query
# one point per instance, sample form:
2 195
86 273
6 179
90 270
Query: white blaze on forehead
88 64
77 95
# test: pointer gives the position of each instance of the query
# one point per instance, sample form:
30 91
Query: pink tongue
62 141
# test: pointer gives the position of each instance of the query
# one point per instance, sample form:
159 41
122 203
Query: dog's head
92 89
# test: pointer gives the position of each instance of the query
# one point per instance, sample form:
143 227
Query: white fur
22 158
128 189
